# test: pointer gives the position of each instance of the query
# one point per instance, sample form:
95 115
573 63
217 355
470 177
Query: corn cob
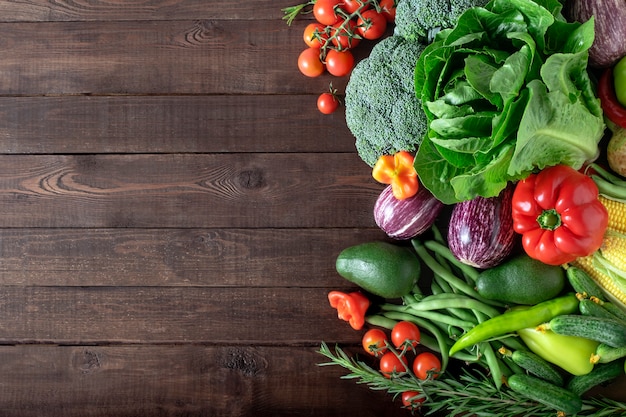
607 266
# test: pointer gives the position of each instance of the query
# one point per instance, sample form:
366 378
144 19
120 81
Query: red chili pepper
613 109
558 214
350 307
398 171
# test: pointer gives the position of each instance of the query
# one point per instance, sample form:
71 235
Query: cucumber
537 366
605 353
521 280
602 373
379 267
611 332
582 283
546 393
588 307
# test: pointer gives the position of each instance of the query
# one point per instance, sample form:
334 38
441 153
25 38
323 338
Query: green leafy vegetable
506 92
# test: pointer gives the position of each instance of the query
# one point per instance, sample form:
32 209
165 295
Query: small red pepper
613 109
350 307
558 214
398 171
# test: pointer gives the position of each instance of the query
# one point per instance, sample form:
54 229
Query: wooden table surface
172 204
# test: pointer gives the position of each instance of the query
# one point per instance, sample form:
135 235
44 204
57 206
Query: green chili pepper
514 320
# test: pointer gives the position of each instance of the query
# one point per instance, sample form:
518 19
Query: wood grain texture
146 57
186 190
178 381
169 124
266 258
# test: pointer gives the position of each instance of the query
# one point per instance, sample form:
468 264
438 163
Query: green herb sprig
472 391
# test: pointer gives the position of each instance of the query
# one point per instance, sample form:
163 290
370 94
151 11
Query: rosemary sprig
471 391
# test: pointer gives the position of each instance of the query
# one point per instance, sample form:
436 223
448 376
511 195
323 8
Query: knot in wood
251 179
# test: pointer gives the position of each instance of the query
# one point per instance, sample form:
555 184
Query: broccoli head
416 19
382 110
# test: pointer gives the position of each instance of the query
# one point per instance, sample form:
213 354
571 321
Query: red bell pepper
558 214
350 307
613 109
397 170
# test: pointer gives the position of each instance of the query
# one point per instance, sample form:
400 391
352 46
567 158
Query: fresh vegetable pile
498 131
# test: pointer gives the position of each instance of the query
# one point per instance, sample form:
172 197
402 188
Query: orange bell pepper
350 307
398 171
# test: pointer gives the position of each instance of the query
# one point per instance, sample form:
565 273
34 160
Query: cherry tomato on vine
351 6
327 103
309 62
339 63
347 36
409 400
426 365
390 363
404 333
311 39
388 9
372 25
324 11
374 339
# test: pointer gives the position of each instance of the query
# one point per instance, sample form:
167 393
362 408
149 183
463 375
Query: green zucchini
546 393
582 283
537 366
605 353
611 332
601 373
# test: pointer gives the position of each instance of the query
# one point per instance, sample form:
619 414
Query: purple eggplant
481 230
405 219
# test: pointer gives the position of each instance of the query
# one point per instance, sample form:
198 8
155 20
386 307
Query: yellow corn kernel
586 263
617 213
614 249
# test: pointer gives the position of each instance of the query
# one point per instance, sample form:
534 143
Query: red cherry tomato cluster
395 356
339 26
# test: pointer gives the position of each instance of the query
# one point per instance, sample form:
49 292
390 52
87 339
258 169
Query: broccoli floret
417 19
382 110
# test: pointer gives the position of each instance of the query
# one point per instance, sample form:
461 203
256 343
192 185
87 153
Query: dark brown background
171 207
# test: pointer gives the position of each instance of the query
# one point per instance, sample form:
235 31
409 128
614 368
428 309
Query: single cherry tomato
351 6
405 333
390 363
371 25
388 9
374 339
309 62
409 400
327 103
324 11
345 37
426 365
314 35
339 63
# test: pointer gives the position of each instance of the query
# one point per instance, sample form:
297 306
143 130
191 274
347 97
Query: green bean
444 251
381 321
492 363
452 279
446 300
431 343
435 317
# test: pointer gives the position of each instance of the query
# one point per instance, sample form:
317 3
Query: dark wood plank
84 10
288 316
187 190
160 124
176 257
191 381
142 57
